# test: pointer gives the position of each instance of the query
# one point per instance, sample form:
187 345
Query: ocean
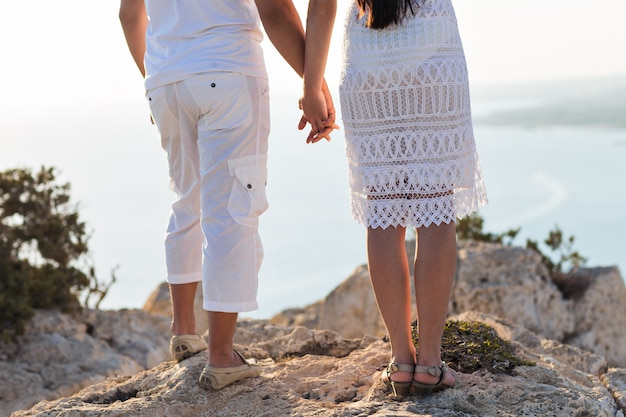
537 178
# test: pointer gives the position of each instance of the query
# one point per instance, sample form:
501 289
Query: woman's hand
315 111
319 111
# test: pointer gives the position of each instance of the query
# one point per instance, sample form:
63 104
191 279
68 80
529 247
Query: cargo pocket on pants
247 198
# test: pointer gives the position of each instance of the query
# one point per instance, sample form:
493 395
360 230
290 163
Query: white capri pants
214 128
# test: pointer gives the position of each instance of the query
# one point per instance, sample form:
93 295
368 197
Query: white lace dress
406 113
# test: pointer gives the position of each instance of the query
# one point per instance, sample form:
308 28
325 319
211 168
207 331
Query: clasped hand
319 111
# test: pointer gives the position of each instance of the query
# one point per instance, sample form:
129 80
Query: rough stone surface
308 316
351 308
305 384
355 296
510 283
59 355
586 309
615 380
323 359
600 316
533 347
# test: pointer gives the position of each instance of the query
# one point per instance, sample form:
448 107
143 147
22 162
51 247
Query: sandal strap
436 371
392 368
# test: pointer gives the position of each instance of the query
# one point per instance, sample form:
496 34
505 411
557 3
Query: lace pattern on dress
406 112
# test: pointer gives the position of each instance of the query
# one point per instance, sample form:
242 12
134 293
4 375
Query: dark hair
382 13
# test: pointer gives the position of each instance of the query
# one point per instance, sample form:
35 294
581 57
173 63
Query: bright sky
72 98
74 50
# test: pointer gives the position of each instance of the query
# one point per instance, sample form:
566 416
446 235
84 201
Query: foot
186 345
398 377
225 360
434 378
214 377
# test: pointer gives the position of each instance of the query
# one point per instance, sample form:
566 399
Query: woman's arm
284 29
319 27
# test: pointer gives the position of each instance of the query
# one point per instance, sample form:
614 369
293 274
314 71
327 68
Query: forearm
134 22
284 29
319 27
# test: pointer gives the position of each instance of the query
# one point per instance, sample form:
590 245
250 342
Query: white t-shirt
187 37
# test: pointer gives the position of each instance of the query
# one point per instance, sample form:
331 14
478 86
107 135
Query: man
206 85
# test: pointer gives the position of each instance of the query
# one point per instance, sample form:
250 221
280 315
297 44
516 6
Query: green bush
470 346
15 309
564 259
42 247
558 254
471 228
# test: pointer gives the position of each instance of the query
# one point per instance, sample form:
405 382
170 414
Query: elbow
125 17
131 11
124 14
274 12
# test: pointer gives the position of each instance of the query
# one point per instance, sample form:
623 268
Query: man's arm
283 26
134 22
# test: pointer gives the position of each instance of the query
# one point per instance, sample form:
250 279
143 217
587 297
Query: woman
412 162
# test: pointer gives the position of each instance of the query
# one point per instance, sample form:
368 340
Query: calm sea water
570 177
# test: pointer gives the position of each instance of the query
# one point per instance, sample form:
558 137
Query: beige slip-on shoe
186 345
218 378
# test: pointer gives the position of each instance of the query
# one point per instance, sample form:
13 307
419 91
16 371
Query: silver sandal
400 389
437 372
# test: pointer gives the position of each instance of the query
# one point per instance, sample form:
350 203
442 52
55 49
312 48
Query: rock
615 380
158 301
533 347
132 333
600 315
303 341
322 360
308 316
59 355
351 308
305 384
586 309
511 283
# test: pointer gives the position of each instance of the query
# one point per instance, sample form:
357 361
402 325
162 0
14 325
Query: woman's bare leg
389 273
435 267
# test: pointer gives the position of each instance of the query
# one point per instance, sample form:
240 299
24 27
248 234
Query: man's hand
324 124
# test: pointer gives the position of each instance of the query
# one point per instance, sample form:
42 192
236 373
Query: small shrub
471 346
15 308
564 259
43 249
558 255
471 228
